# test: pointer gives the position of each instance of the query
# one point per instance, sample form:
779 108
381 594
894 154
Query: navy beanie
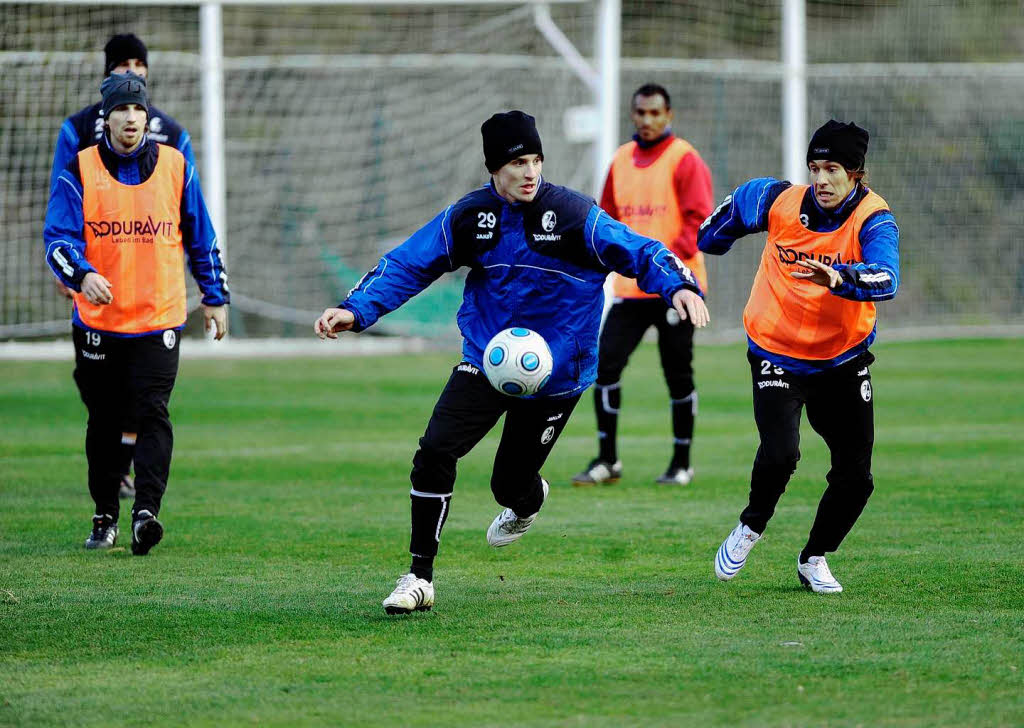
123 88
507 136
122 47
846 144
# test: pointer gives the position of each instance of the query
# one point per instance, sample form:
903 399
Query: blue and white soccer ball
518 362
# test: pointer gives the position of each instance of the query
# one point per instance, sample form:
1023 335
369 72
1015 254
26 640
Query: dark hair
652 89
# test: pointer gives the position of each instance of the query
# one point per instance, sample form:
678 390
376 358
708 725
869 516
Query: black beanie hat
123 88
846 144
122 47
507 136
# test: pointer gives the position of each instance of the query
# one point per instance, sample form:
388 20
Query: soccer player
538 255
123 53
121 219
832 253
660 187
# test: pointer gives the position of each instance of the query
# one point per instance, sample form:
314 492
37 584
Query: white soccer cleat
732 554
599 471
508 528
815 575
676 476
411 594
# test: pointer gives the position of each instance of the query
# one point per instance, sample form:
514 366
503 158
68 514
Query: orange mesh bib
646 200
797 318
133 239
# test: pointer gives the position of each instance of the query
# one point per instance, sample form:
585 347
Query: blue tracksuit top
540 265
85 128
876 278
64 236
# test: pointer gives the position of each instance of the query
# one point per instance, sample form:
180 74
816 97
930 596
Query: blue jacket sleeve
62 231
64 151
200 241
878 276
403 272
617 247
743 212
185 147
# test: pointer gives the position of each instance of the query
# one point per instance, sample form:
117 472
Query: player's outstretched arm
690 305
333 321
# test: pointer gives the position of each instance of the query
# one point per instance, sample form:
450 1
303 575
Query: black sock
429 512
423 567
807 554
607 399
684 412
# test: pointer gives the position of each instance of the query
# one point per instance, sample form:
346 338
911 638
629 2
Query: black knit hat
846 144
507 136
123 88
122 47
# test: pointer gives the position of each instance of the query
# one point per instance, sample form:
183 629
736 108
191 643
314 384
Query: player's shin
429 513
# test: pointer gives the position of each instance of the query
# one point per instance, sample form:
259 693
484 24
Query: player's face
132 65
518 180
650 116
127 124
832 183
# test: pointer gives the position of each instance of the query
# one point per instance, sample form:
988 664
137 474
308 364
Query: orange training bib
133 239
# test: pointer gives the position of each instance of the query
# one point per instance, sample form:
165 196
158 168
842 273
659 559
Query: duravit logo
516 148
788 256
130 231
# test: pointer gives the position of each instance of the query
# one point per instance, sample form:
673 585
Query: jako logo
548 221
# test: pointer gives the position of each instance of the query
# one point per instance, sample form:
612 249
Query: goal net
349 126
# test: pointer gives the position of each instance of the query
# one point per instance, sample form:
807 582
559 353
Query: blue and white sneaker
816 576
508 528
732 554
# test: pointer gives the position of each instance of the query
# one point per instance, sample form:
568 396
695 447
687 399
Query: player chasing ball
538 255
832 252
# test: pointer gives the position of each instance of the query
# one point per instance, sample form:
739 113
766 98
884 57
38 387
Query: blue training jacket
85 128
64 237
875 278
539 265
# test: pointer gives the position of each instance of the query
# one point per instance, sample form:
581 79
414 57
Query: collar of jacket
652 144
144 156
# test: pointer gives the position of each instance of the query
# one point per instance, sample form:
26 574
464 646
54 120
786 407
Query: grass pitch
287 522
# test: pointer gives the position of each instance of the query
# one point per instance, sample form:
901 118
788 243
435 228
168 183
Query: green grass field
287 523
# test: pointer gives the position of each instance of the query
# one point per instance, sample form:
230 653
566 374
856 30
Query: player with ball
537 255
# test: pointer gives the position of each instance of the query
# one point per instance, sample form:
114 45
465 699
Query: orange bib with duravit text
647 202
797 318
133 239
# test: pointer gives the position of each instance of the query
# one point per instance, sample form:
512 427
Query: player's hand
332 321
96 289
64 290
690 305
218 316
817 272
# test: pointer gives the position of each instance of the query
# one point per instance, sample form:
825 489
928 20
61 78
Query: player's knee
782 459
681 390
433 471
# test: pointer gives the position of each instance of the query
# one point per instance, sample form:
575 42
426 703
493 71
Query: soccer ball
518 362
